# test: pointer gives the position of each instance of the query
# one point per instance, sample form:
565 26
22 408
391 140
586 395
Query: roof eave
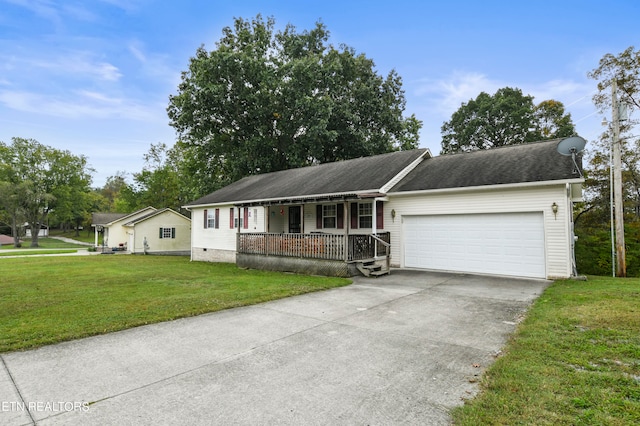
486 187
294 199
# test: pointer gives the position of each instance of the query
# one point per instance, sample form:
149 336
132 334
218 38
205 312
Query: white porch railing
315 246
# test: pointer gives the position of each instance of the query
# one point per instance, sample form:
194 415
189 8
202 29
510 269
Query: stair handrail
387 247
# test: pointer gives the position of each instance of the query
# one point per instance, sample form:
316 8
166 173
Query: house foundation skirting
165 253
330 268
213 255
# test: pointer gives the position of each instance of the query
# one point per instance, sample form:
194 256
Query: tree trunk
35 233
14 231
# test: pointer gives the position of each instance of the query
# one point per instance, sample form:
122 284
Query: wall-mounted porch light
393 215
554 209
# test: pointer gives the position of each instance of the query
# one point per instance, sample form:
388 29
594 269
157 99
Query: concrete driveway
399 349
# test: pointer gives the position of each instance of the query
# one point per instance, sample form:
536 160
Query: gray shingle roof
154 213
104 218
533 162
349 176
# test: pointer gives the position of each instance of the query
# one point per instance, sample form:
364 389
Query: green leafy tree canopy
266 100
49 179
506 118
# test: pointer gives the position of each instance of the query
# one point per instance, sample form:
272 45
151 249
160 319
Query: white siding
524 199
310 222
150 228
220 243
119 234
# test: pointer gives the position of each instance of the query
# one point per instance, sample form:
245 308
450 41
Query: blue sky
94 77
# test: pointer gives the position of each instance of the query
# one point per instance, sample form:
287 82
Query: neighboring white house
43 232
504 211
145 231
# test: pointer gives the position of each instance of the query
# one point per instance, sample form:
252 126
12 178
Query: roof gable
532 162
154 214
365 174
111 218
104 218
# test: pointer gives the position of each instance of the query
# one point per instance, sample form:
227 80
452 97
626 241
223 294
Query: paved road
400 349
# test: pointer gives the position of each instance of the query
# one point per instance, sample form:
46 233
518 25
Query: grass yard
44 243
86 235
574 360
33 252
44 300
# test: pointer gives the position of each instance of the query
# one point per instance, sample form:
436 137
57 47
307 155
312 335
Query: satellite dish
572 146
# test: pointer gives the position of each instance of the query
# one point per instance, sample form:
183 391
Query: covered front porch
330 236
316 253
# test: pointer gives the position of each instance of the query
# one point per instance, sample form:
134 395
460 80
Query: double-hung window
362 215
167 233
365 215
329 216
211 218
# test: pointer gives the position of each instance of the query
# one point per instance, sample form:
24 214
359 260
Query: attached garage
499 243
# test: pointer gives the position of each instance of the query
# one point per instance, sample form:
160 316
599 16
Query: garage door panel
505 244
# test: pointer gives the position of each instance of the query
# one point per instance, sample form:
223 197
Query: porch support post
347 223
267 224
374 229
238 230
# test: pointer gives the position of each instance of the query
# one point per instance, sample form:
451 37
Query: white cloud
154 65
44 8
85 104
126 5
448 94
436 100
80 63
136 51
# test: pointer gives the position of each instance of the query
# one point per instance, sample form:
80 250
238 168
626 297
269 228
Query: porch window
167 233
365 215
362 215
329 216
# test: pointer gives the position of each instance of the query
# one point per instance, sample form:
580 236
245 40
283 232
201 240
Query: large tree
506 118
594 219
158 184
266 100
624 69
48 179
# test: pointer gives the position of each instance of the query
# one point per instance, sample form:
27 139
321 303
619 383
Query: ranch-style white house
503 211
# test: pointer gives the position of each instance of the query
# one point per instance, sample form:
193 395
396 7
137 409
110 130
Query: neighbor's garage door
503 244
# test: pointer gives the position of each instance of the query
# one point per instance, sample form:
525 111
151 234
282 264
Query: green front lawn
574 360
86 235
34 252
44 243
46 300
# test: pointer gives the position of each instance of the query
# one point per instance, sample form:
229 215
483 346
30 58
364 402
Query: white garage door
502 244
